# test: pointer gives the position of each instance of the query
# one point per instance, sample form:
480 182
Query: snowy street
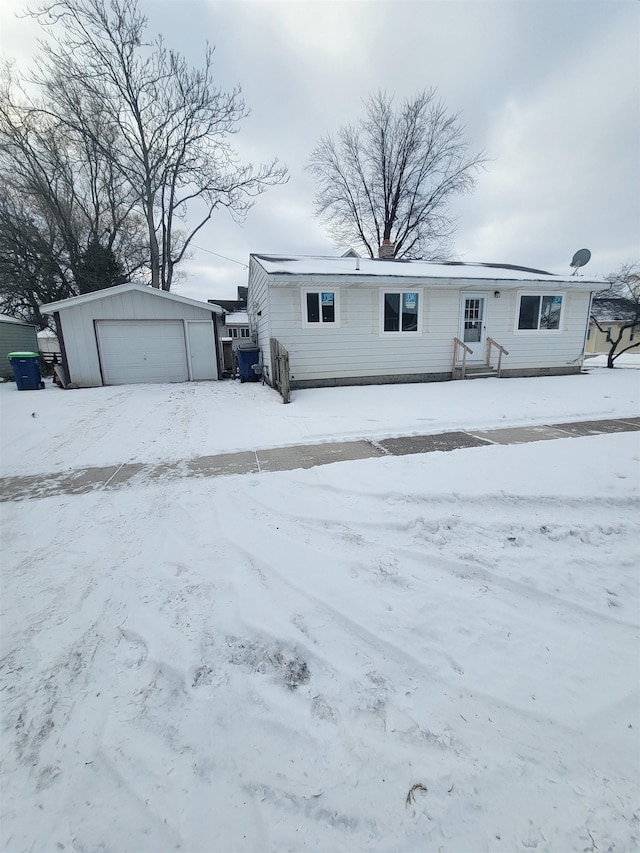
432 652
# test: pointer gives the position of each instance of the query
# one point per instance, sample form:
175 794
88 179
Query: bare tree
622 301
67 223
390 177
169 122
32 266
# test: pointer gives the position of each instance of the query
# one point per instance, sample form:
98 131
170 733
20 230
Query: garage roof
108 292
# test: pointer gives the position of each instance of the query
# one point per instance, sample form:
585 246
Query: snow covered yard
434 652
54 430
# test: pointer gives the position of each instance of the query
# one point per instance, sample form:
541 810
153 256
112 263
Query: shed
15 336
132 333
351 320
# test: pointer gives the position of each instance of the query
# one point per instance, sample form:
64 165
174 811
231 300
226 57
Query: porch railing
501 351
280 369
457 345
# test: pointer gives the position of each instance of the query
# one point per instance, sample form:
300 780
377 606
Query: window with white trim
400 311
244 333
540 312
320 306
233 332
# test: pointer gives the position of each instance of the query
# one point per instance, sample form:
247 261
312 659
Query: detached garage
132 333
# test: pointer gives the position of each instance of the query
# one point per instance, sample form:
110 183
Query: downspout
586 331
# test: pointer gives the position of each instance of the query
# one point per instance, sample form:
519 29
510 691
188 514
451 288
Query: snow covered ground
57 430
436 652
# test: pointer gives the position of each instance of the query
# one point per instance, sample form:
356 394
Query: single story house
15 336
608 316
132 333
352 320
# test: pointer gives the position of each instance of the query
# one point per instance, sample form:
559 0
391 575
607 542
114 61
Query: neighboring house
607 316
131 333
352 320
239 304
232 327
15 336
237 325
233 330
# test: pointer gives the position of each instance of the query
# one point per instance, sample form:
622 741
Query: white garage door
134 351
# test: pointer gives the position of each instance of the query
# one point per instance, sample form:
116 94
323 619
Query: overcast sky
549 89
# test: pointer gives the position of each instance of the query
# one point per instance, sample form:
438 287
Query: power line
218 255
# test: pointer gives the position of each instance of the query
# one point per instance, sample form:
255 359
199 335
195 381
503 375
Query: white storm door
133 351
473 309
202 350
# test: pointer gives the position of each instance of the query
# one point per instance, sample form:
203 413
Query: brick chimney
386 251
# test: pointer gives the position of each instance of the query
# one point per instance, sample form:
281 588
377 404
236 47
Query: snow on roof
237 318
108 292
613 310
368 267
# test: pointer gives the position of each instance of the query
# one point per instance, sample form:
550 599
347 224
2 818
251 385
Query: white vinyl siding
258 309
78 326
356 348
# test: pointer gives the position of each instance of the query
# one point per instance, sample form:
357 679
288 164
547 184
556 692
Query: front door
473 309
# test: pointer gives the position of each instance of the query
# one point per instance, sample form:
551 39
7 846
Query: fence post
285 385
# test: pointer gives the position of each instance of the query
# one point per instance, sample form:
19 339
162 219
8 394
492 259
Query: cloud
551 90
565 171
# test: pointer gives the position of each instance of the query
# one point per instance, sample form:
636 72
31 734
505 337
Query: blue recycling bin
246 360
26 370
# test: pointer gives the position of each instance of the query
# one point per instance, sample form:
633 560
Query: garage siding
79 321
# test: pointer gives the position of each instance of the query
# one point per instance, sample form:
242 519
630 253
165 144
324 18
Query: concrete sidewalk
289 458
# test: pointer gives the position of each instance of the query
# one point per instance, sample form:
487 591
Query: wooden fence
280 369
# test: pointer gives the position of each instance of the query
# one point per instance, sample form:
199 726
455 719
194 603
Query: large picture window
401 311
540 312
320 306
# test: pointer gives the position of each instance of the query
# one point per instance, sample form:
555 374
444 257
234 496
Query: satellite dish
581 257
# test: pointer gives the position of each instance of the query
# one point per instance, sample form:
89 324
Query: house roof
7 318
108 292
450 271
613 310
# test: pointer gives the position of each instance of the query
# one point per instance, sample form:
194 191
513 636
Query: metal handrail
458 343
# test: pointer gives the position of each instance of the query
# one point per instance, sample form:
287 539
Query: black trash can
246 360
26 370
